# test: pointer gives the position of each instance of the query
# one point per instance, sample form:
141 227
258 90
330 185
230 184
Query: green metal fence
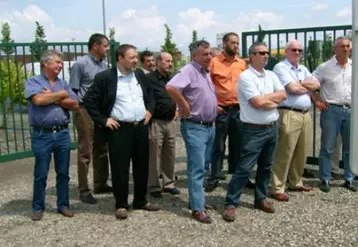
19 61
318 47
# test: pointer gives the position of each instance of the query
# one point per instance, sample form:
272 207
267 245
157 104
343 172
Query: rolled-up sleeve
180 81
32 87
75 76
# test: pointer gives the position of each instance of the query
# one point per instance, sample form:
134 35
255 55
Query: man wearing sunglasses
260 92
334 101
295 131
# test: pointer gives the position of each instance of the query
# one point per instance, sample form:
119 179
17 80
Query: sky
141 23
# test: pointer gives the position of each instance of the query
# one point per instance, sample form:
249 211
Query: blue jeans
227 123
258 146
199 141
334 120
44 143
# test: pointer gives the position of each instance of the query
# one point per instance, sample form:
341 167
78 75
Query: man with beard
225 70
121 101
162 131
91 145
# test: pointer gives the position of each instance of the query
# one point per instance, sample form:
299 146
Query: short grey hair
289 43
252 48
198 44
338 39
49 55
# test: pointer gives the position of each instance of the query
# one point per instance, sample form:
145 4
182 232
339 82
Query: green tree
193 40
112 33
39 44
6 38
327 47
170 47
261 35
12 78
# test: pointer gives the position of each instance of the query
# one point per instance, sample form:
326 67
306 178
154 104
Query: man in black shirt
162 131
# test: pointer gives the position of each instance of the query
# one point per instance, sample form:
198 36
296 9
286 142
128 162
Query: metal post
354 121
104 17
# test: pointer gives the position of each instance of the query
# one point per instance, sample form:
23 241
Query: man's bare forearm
68 104
43 99
311 85
268 105
276 97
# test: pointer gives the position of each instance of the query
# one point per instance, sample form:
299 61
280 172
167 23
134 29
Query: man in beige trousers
162 131
295 131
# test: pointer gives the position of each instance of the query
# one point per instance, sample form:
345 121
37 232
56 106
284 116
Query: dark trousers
129 143
226 124
258 146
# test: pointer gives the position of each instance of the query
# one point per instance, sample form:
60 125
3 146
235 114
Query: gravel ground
308 219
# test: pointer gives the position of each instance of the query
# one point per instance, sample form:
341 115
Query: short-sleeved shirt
52 114
252 83
83 72
225 75
336 81
288 73
194 82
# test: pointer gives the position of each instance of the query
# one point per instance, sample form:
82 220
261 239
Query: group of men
127 115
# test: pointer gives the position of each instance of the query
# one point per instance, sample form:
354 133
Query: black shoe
223 177
324 186
210 187
156 194
350 186
88 198
173 191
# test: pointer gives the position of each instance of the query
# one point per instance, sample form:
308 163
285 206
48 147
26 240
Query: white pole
104 17
354 117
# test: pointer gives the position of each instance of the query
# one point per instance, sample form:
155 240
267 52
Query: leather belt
134 123
198 122
55 128
345 106
227 107
261 126
294 109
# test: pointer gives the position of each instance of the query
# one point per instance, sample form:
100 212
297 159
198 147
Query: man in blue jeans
334 101
50 99
260 92
193 91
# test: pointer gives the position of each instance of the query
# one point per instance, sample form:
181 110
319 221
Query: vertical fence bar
305 47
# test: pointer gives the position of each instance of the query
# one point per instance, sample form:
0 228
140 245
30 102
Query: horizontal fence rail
18 62
317 48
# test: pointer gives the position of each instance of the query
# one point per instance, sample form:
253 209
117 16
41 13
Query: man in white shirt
295 131
334 101
260 92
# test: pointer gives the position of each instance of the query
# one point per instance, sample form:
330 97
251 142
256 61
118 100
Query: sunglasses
297 50
262 53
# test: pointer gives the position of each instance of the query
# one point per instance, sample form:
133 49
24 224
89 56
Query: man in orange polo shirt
225 70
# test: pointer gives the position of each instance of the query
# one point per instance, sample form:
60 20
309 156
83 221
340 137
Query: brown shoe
206 206
301 189
265 205
66 212
36 215
121 213
229 214
150 207
201 216
282 197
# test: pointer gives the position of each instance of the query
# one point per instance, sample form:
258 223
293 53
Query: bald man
295 131
162 131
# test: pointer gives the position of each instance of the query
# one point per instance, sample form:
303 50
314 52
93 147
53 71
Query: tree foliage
38 46
112 33
170 47
327 47
261 35
194 39
6 38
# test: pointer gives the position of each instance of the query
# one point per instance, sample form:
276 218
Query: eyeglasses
297 50
262 53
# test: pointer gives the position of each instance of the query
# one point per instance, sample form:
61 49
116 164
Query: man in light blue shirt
295 131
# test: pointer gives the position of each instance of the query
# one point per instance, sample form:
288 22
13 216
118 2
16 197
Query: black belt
294 109
227 107
198 122
345 106
55 128
134 123
260 126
